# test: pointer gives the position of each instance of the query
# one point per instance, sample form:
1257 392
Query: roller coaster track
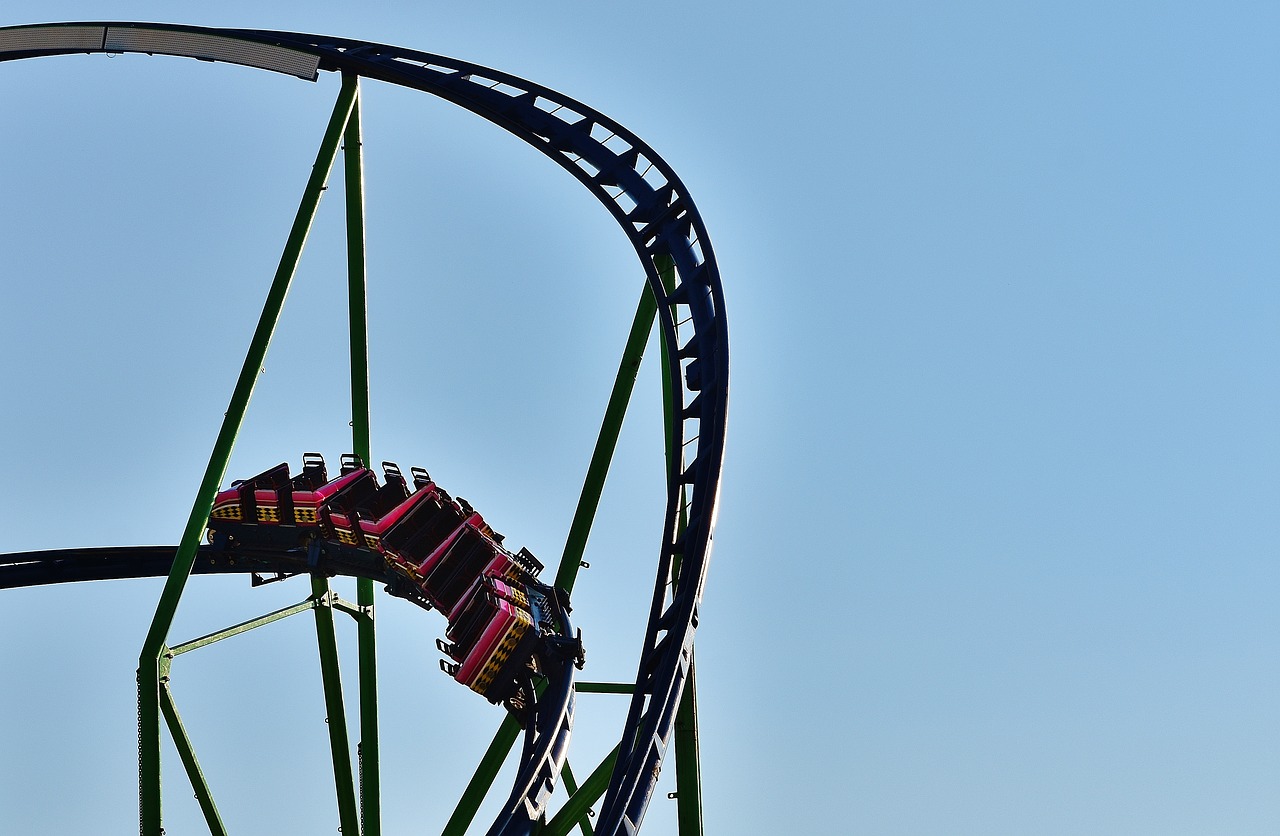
656 213
19 569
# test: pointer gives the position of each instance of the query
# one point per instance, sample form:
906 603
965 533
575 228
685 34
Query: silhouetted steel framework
658 216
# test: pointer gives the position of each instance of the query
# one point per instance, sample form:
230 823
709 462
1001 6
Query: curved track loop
658 216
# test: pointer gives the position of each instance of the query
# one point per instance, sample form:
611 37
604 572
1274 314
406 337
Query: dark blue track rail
52 566
654 211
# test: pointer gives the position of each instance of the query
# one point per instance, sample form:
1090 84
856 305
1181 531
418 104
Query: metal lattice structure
683 292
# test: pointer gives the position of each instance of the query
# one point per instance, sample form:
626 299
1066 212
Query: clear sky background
997 551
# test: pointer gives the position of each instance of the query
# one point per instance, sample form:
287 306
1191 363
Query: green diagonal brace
571 786
575 544
188 757
169 710
598 468
478 787
149 657
589 793
242 627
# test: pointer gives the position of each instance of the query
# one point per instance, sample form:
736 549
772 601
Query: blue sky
997 546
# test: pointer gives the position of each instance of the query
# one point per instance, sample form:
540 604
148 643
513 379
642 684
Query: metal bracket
257 579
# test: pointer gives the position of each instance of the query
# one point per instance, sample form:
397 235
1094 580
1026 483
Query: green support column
349 807
688 761
149 657
368 759
340 745
357 306
687 756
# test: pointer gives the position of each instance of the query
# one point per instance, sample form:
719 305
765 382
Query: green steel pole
604 687
368 757
478 787
357 306
339 743
242 627
688 761
186 753
606 442
687 754
149 658
571 787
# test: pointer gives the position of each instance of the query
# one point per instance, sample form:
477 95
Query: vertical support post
340 745
687 755
349 808
357 305
688 761
149 800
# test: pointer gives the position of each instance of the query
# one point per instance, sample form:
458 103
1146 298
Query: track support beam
688 762
687 752
368 752
188 757
348 811
607 441
187 754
